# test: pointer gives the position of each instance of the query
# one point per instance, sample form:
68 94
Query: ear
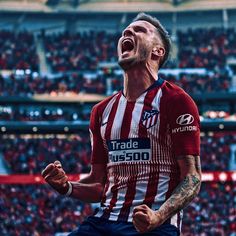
157 52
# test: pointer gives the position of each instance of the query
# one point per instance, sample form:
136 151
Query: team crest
149 118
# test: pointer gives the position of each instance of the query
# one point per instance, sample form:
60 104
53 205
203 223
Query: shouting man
145 165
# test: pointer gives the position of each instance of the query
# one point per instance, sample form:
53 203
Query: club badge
149 118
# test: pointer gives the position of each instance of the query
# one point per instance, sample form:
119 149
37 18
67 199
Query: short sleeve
184 122
99 153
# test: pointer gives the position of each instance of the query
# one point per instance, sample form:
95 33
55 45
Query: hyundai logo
185 119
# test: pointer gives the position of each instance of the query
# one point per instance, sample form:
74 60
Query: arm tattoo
184 192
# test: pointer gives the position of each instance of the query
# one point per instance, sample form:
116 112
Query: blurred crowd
31 155
215 150
46 112
37 210
107 82
28 85
18 51
80 51
208 48
76 59
74 55
219 81
213 212
42 211
197 48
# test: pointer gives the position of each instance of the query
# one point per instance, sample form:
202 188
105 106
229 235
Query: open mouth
127 45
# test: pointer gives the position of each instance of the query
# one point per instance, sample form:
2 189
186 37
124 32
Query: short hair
165 37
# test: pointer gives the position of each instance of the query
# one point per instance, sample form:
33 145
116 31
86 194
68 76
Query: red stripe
114 189
178 220
104 192
111 118
129 197
150 124
126 124
152 185
131 189
113 201
151 188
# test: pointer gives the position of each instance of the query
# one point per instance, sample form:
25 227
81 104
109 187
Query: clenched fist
145 219
56 177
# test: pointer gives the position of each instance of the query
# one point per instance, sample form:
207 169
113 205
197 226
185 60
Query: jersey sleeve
99 153
185 125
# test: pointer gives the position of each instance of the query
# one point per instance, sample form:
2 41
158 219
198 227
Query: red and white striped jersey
138 142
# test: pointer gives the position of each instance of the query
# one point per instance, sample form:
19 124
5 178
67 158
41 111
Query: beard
127 63
138 58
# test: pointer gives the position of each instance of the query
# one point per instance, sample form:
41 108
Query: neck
137 80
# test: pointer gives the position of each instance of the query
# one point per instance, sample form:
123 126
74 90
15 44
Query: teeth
127 40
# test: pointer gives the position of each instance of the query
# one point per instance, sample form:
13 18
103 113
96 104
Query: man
145 164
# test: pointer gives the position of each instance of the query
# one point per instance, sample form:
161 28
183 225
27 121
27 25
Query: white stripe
136 115
149 122
154 130
100 212
108 197
174 220
106 114
141 189
153 120
181 220
162 188
119 203
117 123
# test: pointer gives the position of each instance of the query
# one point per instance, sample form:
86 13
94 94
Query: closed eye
140 29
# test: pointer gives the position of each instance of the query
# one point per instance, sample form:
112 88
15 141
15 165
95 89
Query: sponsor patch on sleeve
184 122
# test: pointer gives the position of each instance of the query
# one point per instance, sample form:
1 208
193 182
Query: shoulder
172 91
99 107
97 111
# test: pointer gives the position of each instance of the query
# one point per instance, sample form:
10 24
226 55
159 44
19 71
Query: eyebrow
140 27
137 27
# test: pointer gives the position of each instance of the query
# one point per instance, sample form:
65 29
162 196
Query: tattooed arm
187 189
145 219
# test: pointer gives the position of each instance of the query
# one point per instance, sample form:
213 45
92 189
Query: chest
124 120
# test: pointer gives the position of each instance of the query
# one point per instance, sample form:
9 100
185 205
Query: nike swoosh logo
104 123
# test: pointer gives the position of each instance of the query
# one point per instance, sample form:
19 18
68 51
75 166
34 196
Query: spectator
18 51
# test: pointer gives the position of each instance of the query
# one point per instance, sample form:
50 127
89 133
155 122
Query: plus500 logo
129 156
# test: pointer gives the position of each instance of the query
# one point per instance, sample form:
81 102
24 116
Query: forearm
87 192
89 189
183 194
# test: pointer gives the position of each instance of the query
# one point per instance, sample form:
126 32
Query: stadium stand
208 48
18 51
30 155
81 51
213 211
29 84
37 210
45 112
97 82
44 212
81 58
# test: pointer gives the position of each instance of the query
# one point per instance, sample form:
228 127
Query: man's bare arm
90 188
146 219
187 189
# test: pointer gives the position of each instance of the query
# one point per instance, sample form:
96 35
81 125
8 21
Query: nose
128 32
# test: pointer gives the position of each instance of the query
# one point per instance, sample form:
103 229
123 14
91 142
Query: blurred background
58 59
